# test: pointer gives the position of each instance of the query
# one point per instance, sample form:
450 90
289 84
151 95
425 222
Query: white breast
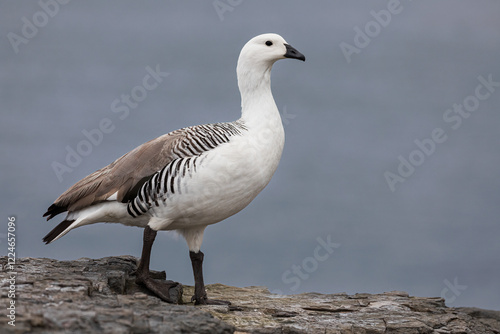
226 180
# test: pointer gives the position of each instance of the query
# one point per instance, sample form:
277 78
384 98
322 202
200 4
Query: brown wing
124 176
127 175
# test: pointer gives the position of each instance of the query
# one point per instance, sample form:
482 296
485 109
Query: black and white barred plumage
195 141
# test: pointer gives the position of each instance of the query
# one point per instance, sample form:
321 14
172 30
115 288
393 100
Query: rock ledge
100 296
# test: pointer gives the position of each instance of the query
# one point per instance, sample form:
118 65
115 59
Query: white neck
260 116
257 102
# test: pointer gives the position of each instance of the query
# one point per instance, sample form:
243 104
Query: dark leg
200 295
158 287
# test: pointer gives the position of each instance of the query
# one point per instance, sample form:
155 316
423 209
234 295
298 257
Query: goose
190 178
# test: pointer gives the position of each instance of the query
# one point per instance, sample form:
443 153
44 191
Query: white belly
226 180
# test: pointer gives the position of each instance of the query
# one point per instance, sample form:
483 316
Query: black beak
291 52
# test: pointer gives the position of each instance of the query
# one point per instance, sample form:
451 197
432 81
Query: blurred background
389 178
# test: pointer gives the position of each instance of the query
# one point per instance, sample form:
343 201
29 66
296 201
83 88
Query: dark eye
269 43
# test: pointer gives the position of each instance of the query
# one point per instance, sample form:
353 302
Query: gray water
329 220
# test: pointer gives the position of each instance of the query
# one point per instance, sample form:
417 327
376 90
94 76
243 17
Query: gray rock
94 296
256 310
100 296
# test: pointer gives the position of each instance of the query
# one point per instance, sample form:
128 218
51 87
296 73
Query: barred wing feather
128 174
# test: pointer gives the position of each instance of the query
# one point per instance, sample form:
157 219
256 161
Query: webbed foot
168 291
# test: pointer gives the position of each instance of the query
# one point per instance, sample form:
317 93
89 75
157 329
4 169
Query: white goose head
266 49
257 58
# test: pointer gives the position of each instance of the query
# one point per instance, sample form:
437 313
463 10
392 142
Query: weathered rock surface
100 296
93 296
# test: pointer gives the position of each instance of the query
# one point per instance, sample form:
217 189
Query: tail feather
108 211
59 230
54 210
